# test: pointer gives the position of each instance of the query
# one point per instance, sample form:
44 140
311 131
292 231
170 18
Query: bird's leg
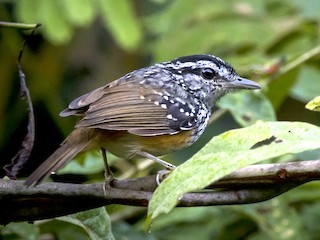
167 165
163 173
108 175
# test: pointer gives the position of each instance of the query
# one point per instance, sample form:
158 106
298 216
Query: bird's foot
161 175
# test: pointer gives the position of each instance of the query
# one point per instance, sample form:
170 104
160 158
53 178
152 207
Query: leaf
95 223
228 152
79 12
281 86
22 230
307 85
280 221
248 107
123 24
27 11
314 105
57 29
308 9
87 163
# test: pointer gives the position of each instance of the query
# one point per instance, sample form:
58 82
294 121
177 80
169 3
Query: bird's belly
126 145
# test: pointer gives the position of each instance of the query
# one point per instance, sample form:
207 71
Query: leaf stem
25 26
303 58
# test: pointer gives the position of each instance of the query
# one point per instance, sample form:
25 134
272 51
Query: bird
148 112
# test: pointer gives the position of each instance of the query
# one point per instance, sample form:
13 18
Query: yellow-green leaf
230 151
123 24
314 105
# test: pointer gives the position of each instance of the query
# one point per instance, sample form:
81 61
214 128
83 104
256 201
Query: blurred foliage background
83 44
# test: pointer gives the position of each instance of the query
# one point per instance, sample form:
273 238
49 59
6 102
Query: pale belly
125 145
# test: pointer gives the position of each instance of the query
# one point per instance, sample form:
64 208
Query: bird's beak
242 83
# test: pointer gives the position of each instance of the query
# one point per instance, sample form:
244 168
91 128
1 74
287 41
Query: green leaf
307 85
230 151
280 221
87 163
281 86
308 9
56 27
123 24
79 12
95 223
27 11
248 107
23 230
314 105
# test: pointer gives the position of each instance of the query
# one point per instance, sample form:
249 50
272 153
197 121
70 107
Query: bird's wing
138 109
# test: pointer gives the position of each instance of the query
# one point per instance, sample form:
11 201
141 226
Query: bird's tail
76 142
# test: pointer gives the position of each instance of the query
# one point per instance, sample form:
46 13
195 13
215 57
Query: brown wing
128 106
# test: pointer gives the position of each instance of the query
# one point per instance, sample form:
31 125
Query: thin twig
18 161
25 26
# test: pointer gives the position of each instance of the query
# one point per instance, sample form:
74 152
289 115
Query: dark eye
208 73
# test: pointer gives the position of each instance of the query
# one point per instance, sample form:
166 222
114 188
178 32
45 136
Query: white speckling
142 97
158 93
175 119
166 97
164 106
171 100
192 114
180 101
169 116
181 110
187 114
142 82
189 124
156 103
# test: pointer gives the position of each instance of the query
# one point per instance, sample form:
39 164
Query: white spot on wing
164 106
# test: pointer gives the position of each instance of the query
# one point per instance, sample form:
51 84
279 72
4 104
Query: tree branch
251 184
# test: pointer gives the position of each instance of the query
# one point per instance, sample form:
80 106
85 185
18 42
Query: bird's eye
208 73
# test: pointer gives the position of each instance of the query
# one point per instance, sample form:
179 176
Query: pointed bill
242 83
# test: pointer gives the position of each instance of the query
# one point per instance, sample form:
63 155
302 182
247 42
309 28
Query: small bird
147 113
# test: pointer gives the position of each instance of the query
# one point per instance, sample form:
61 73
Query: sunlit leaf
230 151
314 105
